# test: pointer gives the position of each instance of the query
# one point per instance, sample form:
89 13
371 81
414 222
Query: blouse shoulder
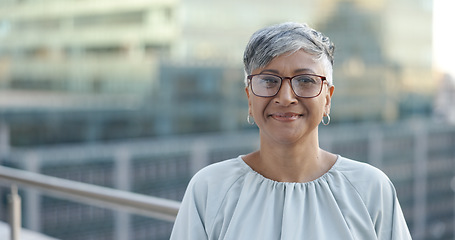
214 181
203 197
370 183
359 173
220 173
379 197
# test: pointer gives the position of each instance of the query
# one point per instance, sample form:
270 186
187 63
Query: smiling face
286 118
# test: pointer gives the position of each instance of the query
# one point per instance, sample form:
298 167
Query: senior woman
290 188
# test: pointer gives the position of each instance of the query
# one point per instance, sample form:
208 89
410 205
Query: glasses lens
306 85
265 85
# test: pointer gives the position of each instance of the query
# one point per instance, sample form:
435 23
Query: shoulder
217 177
378 196
203 197
221 171
369 182
359 172
209 186
372 184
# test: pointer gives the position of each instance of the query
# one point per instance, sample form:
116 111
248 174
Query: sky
444 36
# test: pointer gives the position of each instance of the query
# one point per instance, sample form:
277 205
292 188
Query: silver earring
250 119
328 120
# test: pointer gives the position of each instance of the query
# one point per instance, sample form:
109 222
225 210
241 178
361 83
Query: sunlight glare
444 36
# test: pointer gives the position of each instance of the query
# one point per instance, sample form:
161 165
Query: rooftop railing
418 157
134 203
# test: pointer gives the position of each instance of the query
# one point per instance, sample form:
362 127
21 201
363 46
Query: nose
286 95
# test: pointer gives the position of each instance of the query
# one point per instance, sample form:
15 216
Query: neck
302 161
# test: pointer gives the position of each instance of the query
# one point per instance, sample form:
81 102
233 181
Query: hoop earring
250 119
328 120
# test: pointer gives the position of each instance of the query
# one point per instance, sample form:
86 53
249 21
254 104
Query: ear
247 91
328 99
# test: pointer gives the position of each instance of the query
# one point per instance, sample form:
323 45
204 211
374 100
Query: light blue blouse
229 200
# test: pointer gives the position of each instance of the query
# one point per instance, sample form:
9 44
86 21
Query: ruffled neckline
323 177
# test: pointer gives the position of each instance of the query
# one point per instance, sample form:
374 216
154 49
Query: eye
268 81
306 80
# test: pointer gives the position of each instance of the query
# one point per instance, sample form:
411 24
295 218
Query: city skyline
90 54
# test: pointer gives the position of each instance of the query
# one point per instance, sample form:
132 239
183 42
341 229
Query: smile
286 117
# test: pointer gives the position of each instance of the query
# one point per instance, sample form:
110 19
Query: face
286 118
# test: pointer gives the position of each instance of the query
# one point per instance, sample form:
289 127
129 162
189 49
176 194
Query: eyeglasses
304 85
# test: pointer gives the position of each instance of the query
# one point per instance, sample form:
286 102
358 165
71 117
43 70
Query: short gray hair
270 42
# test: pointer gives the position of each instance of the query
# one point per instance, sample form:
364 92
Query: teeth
286 115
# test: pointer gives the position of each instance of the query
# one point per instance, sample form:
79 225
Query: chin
284 137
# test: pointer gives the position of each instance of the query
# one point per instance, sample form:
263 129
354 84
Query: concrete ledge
25 234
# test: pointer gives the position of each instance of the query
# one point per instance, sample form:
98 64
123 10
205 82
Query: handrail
154 207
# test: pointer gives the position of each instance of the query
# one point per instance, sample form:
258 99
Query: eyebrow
297 71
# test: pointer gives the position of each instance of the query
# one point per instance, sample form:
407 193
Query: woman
290 188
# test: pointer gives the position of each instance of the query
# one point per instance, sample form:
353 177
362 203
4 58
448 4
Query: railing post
326 141
4 147
199 156
452 186
32 199
420 180
375 148
123 182
4 140
15 213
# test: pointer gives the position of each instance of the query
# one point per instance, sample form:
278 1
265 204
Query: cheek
257 107
318 106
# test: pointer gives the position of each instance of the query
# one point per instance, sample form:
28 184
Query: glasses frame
323 79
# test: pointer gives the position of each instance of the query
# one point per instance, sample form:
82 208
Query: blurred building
104 46
85 46
444 111
83 56
383 58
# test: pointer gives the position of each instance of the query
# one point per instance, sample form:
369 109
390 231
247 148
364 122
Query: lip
286 117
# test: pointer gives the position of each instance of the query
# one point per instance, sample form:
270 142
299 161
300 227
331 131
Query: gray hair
275 40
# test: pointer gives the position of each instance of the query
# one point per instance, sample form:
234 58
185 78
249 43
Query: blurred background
140 94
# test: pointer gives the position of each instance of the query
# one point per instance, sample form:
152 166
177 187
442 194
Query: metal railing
115 199
419 158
